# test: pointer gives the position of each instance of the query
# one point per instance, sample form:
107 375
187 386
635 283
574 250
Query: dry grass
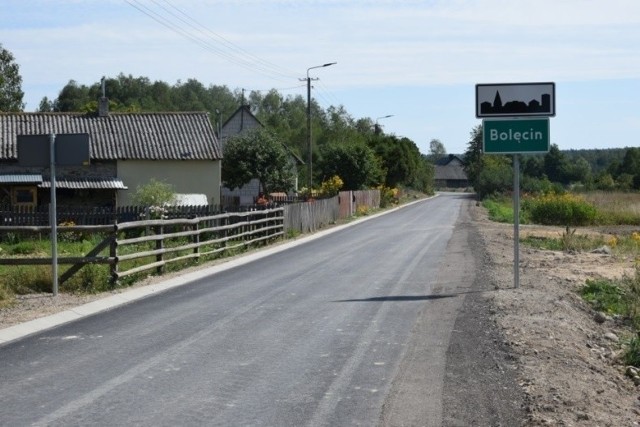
616 207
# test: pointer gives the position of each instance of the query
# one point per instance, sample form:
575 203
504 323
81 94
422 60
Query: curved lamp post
376 126
310 155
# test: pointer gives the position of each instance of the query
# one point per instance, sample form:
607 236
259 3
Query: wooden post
160 245
113 254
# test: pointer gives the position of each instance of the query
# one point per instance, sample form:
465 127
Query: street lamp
376 126
310 155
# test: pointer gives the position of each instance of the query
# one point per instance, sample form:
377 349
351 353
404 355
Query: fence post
196 239
160 245
113 254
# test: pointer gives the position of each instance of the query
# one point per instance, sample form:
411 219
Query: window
24 196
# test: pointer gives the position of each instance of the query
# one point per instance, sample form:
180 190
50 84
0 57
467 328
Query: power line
203 43
230 45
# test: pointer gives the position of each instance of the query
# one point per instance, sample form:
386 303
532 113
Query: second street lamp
310 153
376 127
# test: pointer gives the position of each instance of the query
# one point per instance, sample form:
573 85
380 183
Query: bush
555 209
388 196
331 187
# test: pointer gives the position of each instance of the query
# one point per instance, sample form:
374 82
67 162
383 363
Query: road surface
377 324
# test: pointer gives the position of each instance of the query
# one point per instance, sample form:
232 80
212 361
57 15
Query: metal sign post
53 220
42 151
507 129
516 221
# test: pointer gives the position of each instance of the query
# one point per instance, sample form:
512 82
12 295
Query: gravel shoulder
565 363
569 366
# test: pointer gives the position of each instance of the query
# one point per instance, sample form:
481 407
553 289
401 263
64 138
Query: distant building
449 173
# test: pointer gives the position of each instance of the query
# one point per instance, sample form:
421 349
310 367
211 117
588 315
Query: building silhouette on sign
517 106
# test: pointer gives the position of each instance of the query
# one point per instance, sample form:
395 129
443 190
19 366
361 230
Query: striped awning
21 179
87 184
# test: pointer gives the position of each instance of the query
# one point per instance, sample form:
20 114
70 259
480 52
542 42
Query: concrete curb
22 330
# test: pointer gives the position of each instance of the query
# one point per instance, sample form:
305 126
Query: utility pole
309 145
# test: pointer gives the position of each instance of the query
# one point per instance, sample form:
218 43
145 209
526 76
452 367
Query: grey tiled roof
134 136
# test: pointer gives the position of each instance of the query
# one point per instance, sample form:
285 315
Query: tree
45 106
257 154
556 165
400 159
496 176
436 150
11 93
354 162
473 156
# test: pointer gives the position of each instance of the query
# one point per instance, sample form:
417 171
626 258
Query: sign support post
515 121
47 151
516 221
53 221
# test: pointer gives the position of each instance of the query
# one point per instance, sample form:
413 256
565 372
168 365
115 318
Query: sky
416 61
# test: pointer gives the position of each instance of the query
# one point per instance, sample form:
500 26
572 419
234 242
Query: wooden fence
142 244
152 244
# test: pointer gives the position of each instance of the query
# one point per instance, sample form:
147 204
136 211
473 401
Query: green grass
622 298
499 210
606 296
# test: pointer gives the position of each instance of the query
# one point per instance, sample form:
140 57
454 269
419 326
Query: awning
87 184
21 179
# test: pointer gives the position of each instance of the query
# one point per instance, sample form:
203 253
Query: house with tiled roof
449 172
126 150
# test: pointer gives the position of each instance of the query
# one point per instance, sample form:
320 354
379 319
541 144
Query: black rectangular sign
71 149
516 100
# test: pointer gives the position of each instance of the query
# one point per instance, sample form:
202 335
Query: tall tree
473 155
436 150
11 93
257 154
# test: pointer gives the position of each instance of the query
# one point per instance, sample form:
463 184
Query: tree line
354 149
611 169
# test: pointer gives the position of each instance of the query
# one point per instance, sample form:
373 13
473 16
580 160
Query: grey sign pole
53 216
64 150
516 221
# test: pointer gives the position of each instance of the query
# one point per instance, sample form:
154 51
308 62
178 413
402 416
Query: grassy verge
619 298
500 210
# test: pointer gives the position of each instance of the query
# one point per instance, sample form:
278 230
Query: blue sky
416 60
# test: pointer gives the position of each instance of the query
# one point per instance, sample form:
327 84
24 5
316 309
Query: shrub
330 187
564 209
68 236
388 196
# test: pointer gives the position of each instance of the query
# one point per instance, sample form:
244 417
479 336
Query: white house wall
186 176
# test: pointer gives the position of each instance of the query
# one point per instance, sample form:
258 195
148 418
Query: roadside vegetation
597 189
619 298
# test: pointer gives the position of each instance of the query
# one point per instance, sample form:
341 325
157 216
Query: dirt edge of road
568 357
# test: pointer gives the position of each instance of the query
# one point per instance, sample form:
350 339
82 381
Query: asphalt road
354 328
